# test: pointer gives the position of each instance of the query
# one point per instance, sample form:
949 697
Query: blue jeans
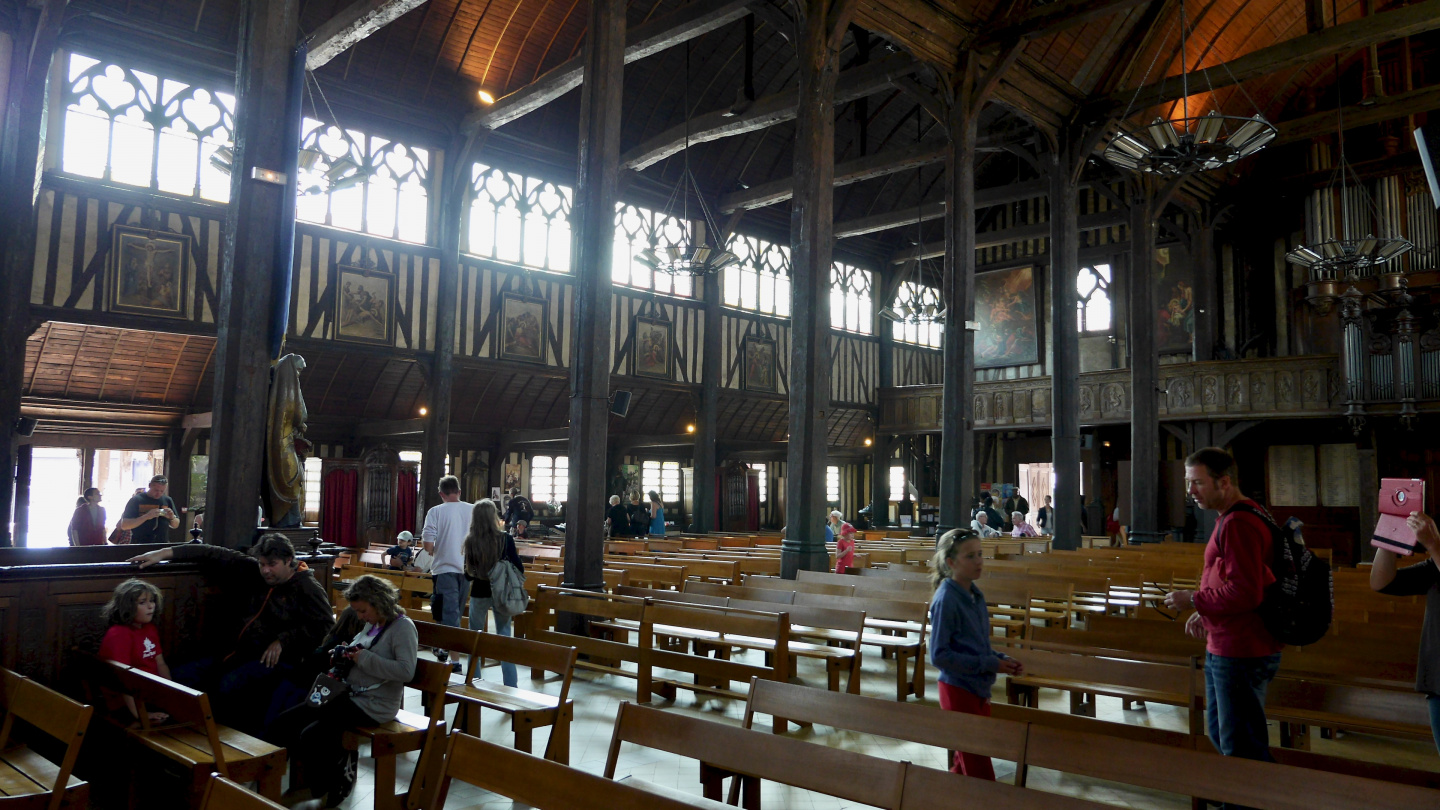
242 693
1235 704
451 591
1434 702
480 607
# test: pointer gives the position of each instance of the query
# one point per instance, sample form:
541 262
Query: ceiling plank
1042 21
1018 233
906 216
1295 52
1399 105
676 28
857 82
352 24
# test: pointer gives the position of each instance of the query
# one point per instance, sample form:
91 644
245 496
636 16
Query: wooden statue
285 445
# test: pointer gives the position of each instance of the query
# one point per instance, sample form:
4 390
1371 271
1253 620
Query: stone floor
597 697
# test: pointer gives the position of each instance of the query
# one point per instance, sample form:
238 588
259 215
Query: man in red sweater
1241 656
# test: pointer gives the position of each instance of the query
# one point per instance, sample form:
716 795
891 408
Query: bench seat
674 794
24 774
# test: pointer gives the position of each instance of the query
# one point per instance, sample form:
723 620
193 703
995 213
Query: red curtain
339 500
406 490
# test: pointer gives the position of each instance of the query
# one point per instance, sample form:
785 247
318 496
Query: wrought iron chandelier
1188 144
695 256
915 302
1347 257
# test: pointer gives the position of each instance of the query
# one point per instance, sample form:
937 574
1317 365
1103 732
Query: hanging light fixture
1332 260
694 256
912 305
1188 144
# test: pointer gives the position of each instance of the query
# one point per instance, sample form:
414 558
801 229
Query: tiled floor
597 698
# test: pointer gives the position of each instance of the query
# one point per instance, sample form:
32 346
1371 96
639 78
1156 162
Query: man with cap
150 514
397 557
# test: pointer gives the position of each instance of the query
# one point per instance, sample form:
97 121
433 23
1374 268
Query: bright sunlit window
1093 306
312 489
850 307
138 129
760 281
362 182
519 220
662 477
922 334
764 495
832 484
549 479
639 228
897 483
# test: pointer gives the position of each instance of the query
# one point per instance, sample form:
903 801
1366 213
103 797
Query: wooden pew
528 709
223 794
27 777
668 620
725 751
929 789
406 733
535 782
192 739
605 648
1298 704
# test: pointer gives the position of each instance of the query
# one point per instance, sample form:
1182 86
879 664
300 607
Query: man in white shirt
446 525
981 525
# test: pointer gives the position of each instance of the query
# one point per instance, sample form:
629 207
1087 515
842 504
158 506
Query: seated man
1021 528
981 525
397 557
276 615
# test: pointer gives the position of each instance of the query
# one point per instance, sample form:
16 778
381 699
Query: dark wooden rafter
1359 115
854 171
693 20
901 217
767 111
1011 235
352 24
1044 20
1380 27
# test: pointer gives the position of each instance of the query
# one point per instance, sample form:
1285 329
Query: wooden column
1065 351
957 434
87 468
1206 284
811 239
1144 363
22 151
880 450
177 469
708 419
454 184
24 465
596 190
249 278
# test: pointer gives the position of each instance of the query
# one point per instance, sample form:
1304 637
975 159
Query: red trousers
955 699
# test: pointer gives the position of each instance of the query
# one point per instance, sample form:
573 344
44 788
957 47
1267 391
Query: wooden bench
654 576
671 621
192 739
406 733
1085 674
605 648
528 709
534 782
224 794
1297 704
929 789
27 778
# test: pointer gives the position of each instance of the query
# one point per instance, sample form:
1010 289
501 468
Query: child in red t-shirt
132 639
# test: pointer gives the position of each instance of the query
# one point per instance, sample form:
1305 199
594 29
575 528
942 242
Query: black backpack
522 509
1300 603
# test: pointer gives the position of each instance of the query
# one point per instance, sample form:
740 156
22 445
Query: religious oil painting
522 328
364 305
759 368
149 272
1174 301
1005 310
652 348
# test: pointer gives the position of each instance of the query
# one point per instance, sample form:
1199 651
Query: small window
312 489
760 280
1092 285
519 220
832 485
362 183
922 334
549 479
850 303
662 477
897 483
637 229
764 482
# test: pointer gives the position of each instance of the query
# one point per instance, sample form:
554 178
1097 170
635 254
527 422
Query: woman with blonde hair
485 545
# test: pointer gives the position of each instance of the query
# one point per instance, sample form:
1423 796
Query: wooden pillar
1144 364
249 278
880 449
1065 351
707 423
87 468
811 239
22 151
454 184
957 442
1206 284
177 470
596 190
24 464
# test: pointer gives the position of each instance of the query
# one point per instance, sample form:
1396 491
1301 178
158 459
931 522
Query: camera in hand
340 664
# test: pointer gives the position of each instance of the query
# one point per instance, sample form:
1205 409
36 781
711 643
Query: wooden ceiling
123 366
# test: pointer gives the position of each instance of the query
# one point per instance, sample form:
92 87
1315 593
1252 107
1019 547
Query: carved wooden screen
379 475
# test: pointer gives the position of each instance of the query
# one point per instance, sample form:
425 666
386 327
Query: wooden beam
936 210
197 420
1019 233
857 82
391 427
693 20
854 171
1291 53
352 24
1042 21
1400 105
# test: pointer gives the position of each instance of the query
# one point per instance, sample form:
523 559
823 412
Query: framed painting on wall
652 355
364 305
522 328
149 272
1174 301
1005 310
758 370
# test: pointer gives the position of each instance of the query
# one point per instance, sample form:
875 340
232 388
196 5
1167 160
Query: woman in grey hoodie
380 660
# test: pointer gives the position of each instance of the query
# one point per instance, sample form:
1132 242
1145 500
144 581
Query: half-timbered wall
686 326
916 365
854 368
738 326
315 305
